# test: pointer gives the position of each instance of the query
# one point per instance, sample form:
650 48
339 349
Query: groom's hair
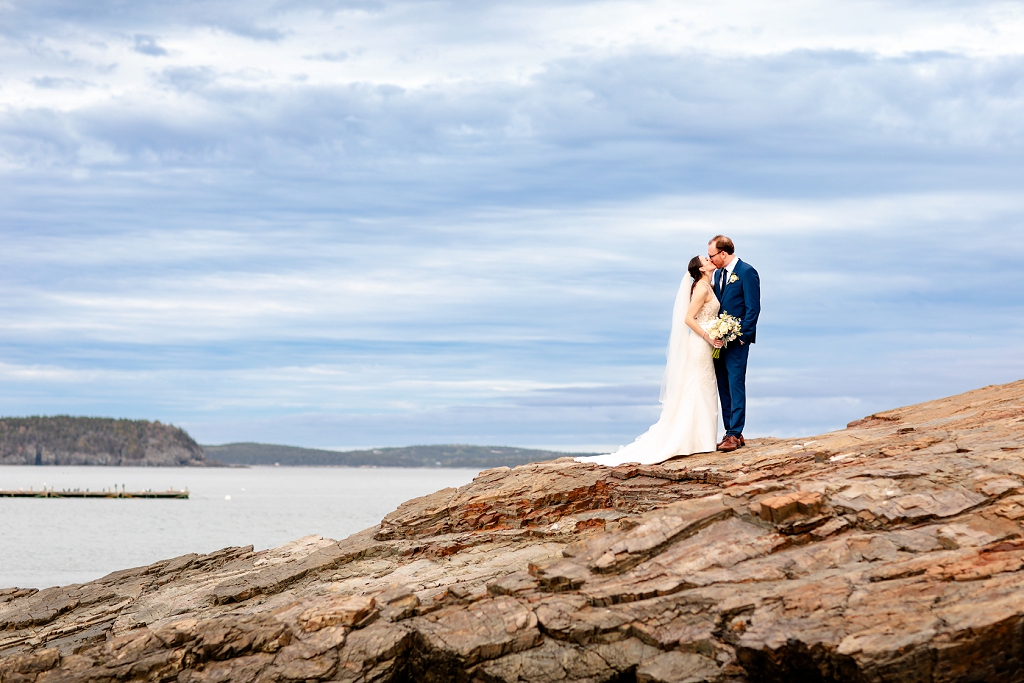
723 243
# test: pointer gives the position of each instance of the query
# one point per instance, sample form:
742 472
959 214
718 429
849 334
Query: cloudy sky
344 224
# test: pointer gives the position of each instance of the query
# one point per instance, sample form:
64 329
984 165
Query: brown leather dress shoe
743 442
729 444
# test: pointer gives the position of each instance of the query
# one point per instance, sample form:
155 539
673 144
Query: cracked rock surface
888 551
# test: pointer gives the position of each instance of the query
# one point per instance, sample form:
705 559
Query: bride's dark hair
694 270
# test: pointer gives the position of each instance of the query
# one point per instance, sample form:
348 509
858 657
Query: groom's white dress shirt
728 272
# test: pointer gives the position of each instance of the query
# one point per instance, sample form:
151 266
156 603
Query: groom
738 288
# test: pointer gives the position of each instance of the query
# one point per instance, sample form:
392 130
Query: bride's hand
718 343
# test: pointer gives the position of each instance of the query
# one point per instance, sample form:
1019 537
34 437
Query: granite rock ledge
888 551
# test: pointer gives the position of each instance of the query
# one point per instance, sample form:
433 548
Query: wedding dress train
689 395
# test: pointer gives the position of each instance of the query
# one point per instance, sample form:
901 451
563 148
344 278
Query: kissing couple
695 381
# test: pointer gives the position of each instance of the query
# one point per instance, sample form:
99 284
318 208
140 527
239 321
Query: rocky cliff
65 440
888 551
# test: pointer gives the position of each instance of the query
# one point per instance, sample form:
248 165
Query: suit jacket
742 298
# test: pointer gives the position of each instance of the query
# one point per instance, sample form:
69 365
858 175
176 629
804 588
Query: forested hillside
66 440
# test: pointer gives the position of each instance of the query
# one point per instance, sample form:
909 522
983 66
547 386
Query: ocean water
51 542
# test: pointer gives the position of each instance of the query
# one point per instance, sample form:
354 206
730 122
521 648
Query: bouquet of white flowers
725 327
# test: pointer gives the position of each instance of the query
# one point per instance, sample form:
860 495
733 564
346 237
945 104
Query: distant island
104 441
409 456
67 440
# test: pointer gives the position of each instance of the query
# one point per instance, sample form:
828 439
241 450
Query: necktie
721 284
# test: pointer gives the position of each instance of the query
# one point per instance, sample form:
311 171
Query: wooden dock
50 493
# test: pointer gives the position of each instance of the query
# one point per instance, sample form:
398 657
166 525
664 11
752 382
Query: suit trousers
731 372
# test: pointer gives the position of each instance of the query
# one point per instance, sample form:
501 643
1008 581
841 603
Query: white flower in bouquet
725 327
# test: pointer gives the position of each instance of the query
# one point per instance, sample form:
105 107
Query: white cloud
471 218
416 45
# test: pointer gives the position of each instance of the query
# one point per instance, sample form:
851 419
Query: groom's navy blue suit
742 299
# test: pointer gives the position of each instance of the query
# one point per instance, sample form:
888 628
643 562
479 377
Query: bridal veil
689 394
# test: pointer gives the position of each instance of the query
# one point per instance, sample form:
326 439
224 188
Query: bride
689 393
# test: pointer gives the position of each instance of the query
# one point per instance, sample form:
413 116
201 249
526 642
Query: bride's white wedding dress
689 395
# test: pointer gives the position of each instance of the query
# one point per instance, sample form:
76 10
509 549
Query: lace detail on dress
708 311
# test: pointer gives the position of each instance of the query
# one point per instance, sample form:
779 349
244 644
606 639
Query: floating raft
93 494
